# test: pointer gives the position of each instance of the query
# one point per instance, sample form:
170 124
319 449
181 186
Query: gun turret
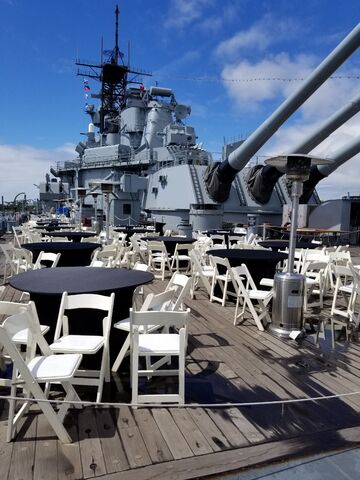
219 176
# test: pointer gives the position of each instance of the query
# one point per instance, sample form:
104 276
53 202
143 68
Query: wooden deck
224 364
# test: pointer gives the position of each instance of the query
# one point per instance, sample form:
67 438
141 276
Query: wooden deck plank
68 465
154 441
45 451
112 448
92 459
212 433
23 454
134 445
194 437
247 457
173 436
6 448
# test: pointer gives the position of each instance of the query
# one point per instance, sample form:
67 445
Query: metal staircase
196 184
239 190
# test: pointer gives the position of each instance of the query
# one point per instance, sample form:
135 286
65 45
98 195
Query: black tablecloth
130 231
72 254
170 242
74 236
281 244
47 285
261 263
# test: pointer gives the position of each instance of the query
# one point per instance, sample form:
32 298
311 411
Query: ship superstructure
139 139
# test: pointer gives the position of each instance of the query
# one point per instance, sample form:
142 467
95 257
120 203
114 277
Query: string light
254 79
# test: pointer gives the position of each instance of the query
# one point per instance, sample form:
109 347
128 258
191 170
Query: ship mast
114 80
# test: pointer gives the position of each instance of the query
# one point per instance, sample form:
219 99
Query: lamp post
107 189
288 300
81 194
96 223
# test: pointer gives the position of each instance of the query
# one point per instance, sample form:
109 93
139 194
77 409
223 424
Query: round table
72 254
47 285
130 231
74 236
261 263
170 242
281 244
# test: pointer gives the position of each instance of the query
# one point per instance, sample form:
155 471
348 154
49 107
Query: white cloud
22 166
250 84
267 31
183 13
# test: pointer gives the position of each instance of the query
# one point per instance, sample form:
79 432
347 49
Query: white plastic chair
223 279
181 254
50 257
200 272
158 344
156 302
251 297
158 259
7 251
352 321
29 374
65 342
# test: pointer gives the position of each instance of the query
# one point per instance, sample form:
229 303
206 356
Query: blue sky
222 57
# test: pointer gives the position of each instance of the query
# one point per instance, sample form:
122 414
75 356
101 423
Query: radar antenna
114 80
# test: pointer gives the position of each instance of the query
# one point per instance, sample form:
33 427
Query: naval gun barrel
262 179
219 177
318 172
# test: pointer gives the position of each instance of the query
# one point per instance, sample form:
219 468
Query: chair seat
259 294
159 344
125 325
78 344
21 336
54 366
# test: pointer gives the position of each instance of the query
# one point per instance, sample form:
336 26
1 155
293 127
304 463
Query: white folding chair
156 302
65 342
352 320
29 374
200 272
223 276
22 260
344 284
51 258
180 284
7 249
181 260
251 297
158 344
158 259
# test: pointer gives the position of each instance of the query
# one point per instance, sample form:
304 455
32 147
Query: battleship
137 140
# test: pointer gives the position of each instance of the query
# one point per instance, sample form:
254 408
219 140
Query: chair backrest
50 257
156 246
159 301
177 319
243 277
340 258
90 301
216 261
142 267
23 259
180 284
183 247
94 239
22 316
60 239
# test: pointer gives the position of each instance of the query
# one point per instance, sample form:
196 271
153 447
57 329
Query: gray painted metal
239 158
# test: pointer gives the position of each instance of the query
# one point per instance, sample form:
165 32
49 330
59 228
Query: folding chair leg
121 355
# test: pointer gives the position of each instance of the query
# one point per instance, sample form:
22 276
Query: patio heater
96 224
81 194
107 189
288 300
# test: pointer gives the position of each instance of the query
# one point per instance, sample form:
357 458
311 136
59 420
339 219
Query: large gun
219 176
262 178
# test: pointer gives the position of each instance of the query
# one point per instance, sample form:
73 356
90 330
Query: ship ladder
196 184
